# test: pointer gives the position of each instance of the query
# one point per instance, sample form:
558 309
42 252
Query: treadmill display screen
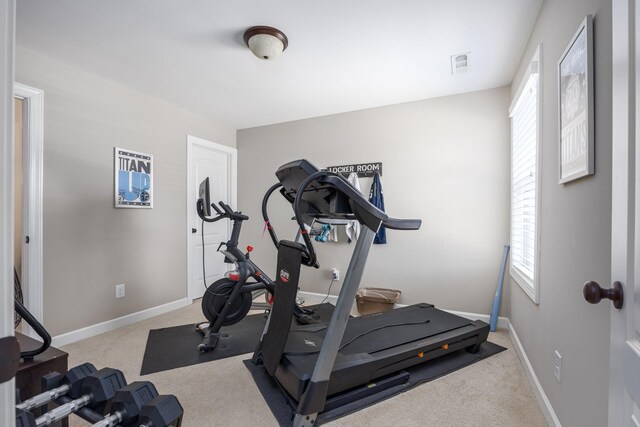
319 199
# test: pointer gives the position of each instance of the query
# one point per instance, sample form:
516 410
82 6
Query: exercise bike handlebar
213 205
226 212
231 213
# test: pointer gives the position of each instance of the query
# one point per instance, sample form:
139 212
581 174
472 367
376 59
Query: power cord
204 273
329 291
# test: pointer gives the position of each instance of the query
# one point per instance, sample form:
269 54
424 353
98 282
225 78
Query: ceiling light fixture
265 42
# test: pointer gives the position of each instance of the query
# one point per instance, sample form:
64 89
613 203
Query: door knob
593 293
194 230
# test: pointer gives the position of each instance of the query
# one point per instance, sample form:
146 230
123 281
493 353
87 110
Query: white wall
89 246
445 160
576 232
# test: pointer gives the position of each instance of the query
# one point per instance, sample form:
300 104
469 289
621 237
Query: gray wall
445 160
89 246
576 233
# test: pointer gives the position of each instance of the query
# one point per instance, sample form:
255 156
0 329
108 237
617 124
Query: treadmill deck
376 345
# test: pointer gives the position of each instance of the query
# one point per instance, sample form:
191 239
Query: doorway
219 163
18 184
28 176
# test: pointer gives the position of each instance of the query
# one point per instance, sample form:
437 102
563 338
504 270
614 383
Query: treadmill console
320 199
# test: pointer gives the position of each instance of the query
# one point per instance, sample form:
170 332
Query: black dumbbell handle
63 411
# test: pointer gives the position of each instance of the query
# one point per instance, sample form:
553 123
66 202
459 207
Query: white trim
33 190
192 196
503 322
543 400
531 288
110 325
7 50
534 67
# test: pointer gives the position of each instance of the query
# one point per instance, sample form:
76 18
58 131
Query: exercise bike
228 300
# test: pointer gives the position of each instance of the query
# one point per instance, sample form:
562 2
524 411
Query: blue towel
377 199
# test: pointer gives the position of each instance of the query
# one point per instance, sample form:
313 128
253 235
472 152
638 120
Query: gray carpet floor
493 392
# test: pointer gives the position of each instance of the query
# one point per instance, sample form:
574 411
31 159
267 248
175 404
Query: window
525 130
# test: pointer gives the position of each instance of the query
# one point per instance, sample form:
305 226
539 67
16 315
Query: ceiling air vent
459 63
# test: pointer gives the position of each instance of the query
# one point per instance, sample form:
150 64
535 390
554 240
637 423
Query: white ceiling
342 55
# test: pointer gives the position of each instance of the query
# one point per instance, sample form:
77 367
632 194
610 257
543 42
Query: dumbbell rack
104 390
30 372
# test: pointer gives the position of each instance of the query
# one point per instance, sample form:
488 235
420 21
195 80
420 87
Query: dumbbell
97 388
125 406
162 411
71 384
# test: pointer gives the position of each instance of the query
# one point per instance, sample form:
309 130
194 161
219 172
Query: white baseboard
110 325
502 323
543 400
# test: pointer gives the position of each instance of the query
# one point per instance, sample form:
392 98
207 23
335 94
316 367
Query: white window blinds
524 183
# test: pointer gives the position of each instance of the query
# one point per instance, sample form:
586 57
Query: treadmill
323 366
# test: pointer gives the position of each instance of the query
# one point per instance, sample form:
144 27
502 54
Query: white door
219 164
624 383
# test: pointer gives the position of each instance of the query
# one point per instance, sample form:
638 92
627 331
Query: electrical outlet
335 274
120 291
557 366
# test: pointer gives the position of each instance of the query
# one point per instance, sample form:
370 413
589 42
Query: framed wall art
133 175
575 87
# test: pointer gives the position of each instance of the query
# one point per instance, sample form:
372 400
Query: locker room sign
362 169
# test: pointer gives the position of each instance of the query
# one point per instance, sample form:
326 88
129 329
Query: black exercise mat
177 346
436 368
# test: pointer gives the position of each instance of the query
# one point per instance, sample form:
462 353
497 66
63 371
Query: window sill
530 288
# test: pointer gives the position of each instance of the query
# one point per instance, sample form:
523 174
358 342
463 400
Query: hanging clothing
353 227
376 198
333 235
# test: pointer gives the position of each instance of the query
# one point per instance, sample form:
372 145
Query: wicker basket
376 300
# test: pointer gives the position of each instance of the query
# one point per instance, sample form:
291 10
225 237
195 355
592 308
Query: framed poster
133 174
575 87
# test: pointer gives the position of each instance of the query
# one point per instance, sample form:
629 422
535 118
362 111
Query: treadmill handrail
402 224
309 257
342 185
265 214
